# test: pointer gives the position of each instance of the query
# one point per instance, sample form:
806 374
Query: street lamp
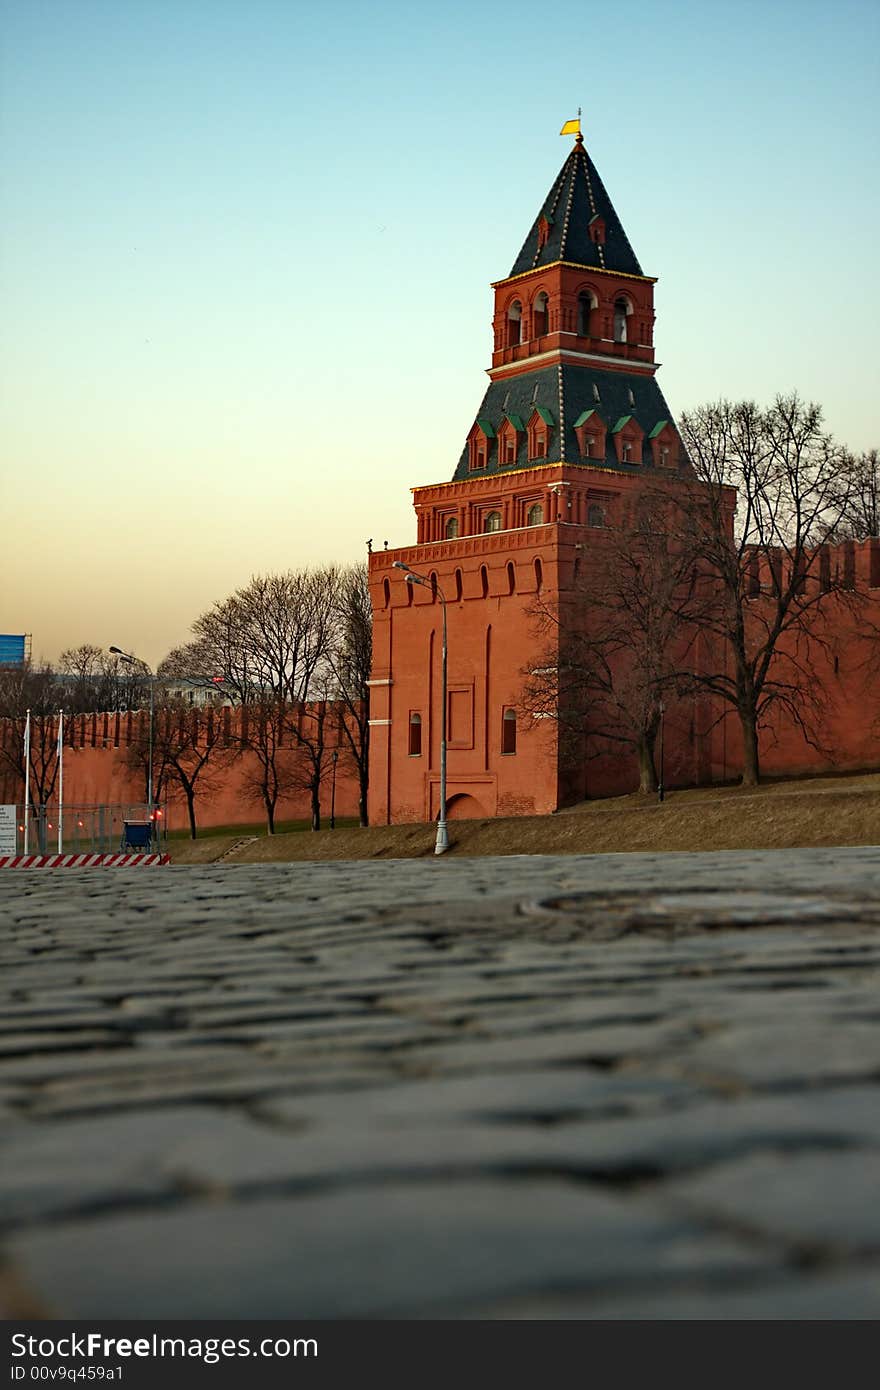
661 790
411 577
136 661
335 757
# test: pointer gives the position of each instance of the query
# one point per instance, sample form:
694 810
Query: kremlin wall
98 771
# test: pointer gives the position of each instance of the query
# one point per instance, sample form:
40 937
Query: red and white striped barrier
82 861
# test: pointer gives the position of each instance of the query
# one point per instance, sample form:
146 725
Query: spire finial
574 128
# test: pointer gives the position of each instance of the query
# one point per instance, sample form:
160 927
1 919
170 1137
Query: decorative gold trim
513 472
573 265
478 476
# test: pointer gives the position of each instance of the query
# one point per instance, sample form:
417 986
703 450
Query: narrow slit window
508 731
415 735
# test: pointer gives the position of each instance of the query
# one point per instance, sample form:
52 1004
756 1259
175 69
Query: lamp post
335 757
411 577
136 661
661 790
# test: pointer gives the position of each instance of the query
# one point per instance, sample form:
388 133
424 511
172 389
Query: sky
246 250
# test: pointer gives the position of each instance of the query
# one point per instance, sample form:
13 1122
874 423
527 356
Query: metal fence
91 829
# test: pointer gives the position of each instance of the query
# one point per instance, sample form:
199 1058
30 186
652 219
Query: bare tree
861 501
284 645
270 775
37 690
92 683
615 645
286 625
769 495
222 648
190 752
350 659
309 726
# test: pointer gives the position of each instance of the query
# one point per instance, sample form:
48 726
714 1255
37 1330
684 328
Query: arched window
535 515
433 581
415 735
511 577
595 515
540 316
386 591
484 581
514 324
508 731
492 521
458 586
452 528
539 575
586 305
622 307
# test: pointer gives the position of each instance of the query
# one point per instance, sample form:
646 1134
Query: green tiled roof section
486 427
516 422
519 395
624 420
660 425
545 415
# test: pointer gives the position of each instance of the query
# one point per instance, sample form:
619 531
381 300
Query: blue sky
245 254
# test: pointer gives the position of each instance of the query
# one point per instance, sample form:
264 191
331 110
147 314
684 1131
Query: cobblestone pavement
611 1086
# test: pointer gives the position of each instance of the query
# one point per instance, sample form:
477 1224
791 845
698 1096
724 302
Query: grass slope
779 815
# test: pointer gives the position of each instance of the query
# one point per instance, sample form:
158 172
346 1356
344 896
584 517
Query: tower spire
577 221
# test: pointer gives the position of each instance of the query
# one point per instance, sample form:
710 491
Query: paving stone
402 1252
764 1051
61 1040
253 1079
830 1199
435 1077
798 1297
57 1168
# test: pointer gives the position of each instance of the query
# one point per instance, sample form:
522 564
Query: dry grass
779 815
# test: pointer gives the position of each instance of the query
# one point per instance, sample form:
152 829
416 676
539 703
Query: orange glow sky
245 263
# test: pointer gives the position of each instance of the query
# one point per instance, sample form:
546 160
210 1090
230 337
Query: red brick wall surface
96 772
492 639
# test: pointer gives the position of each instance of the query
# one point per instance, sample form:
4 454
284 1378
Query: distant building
15 648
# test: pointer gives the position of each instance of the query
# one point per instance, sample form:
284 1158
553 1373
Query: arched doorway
465 807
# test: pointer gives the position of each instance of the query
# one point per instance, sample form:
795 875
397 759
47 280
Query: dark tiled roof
576 198
567 393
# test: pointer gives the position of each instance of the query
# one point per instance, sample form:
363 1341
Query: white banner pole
27 782
60 779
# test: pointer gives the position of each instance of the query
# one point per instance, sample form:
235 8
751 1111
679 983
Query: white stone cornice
575 358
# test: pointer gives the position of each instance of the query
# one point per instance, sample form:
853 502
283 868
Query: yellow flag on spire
572 127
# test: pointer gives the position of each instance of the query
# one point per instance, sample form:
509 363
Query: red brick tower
571 423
